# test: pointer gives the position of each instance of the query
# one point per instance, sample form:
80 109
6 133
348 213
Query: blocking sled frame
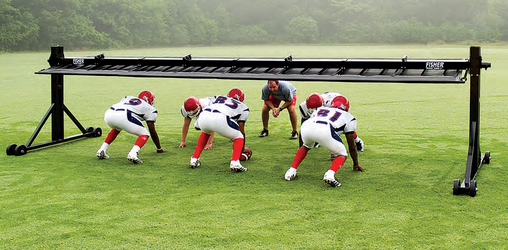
397 70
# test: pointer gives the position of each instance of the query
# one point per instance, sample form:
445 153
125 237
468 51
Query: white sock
135 149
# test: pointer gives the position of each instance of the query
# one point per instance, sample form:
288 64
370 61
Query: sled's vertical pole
474 112
57 97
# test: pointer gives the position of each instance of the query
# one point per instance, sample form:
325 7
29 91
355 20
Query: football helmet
314 100
341 102
192 106
148 97
237 94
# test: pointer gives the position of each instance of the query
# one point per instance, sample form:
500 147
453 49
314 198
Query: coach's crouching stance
324 127
128 115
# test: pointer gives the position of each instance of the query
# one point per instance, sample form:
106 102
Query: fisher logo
78 61
434 65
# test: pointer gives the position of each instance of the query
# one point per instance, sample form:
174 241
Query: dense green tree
68 29
411 31
133 23
18 29
78 24
502 11
251 34
225 24
60 23
202 30
453 32
113 18
147 23
302 30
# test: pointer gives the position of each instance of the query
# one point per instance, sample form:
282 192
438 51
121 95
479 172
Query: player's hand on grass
182 145
160 150
208 146
357 168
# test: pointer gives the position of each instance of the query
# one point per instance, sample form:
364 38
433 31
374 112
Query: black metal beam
295 69
443 79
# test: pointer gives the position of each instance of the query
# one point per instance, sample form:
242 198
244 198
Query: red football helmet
314 100
192 105
341 102
148 97
237 94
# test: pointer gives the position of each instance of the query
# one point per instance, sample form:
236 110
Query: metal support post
56 111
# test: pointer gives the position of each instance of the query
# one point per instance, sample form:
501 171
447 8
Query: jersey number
133 102
223 99
325 112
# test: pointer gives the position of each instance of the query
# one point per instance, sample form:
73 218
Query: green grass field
416 138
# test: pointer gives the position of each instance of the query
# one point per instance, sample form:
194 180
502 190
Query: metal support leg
56 110
474 159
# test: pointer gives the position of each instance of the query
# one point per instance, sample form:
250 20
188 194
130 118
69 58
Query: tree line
33 25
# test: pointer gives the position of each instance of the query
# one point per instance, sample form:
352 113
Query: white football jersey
342 121
204 102
139 108
236 110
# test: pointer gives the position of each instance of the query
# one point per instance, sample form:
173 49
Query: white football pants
322 132
219 123
124 120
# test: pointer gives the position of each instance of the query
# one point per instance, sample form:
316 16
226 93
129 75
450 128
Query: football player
191 109
324 127
128 115
316 100
226 116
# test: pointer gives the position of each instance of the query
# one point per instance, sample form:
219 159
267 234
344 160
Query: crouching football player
128 115
324 127
226 116
191 108
316 100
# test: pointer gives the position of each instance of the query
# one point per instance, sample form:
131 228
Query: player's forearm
185 128
210 139
354 156
153 134
155 139
352 148
184 135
